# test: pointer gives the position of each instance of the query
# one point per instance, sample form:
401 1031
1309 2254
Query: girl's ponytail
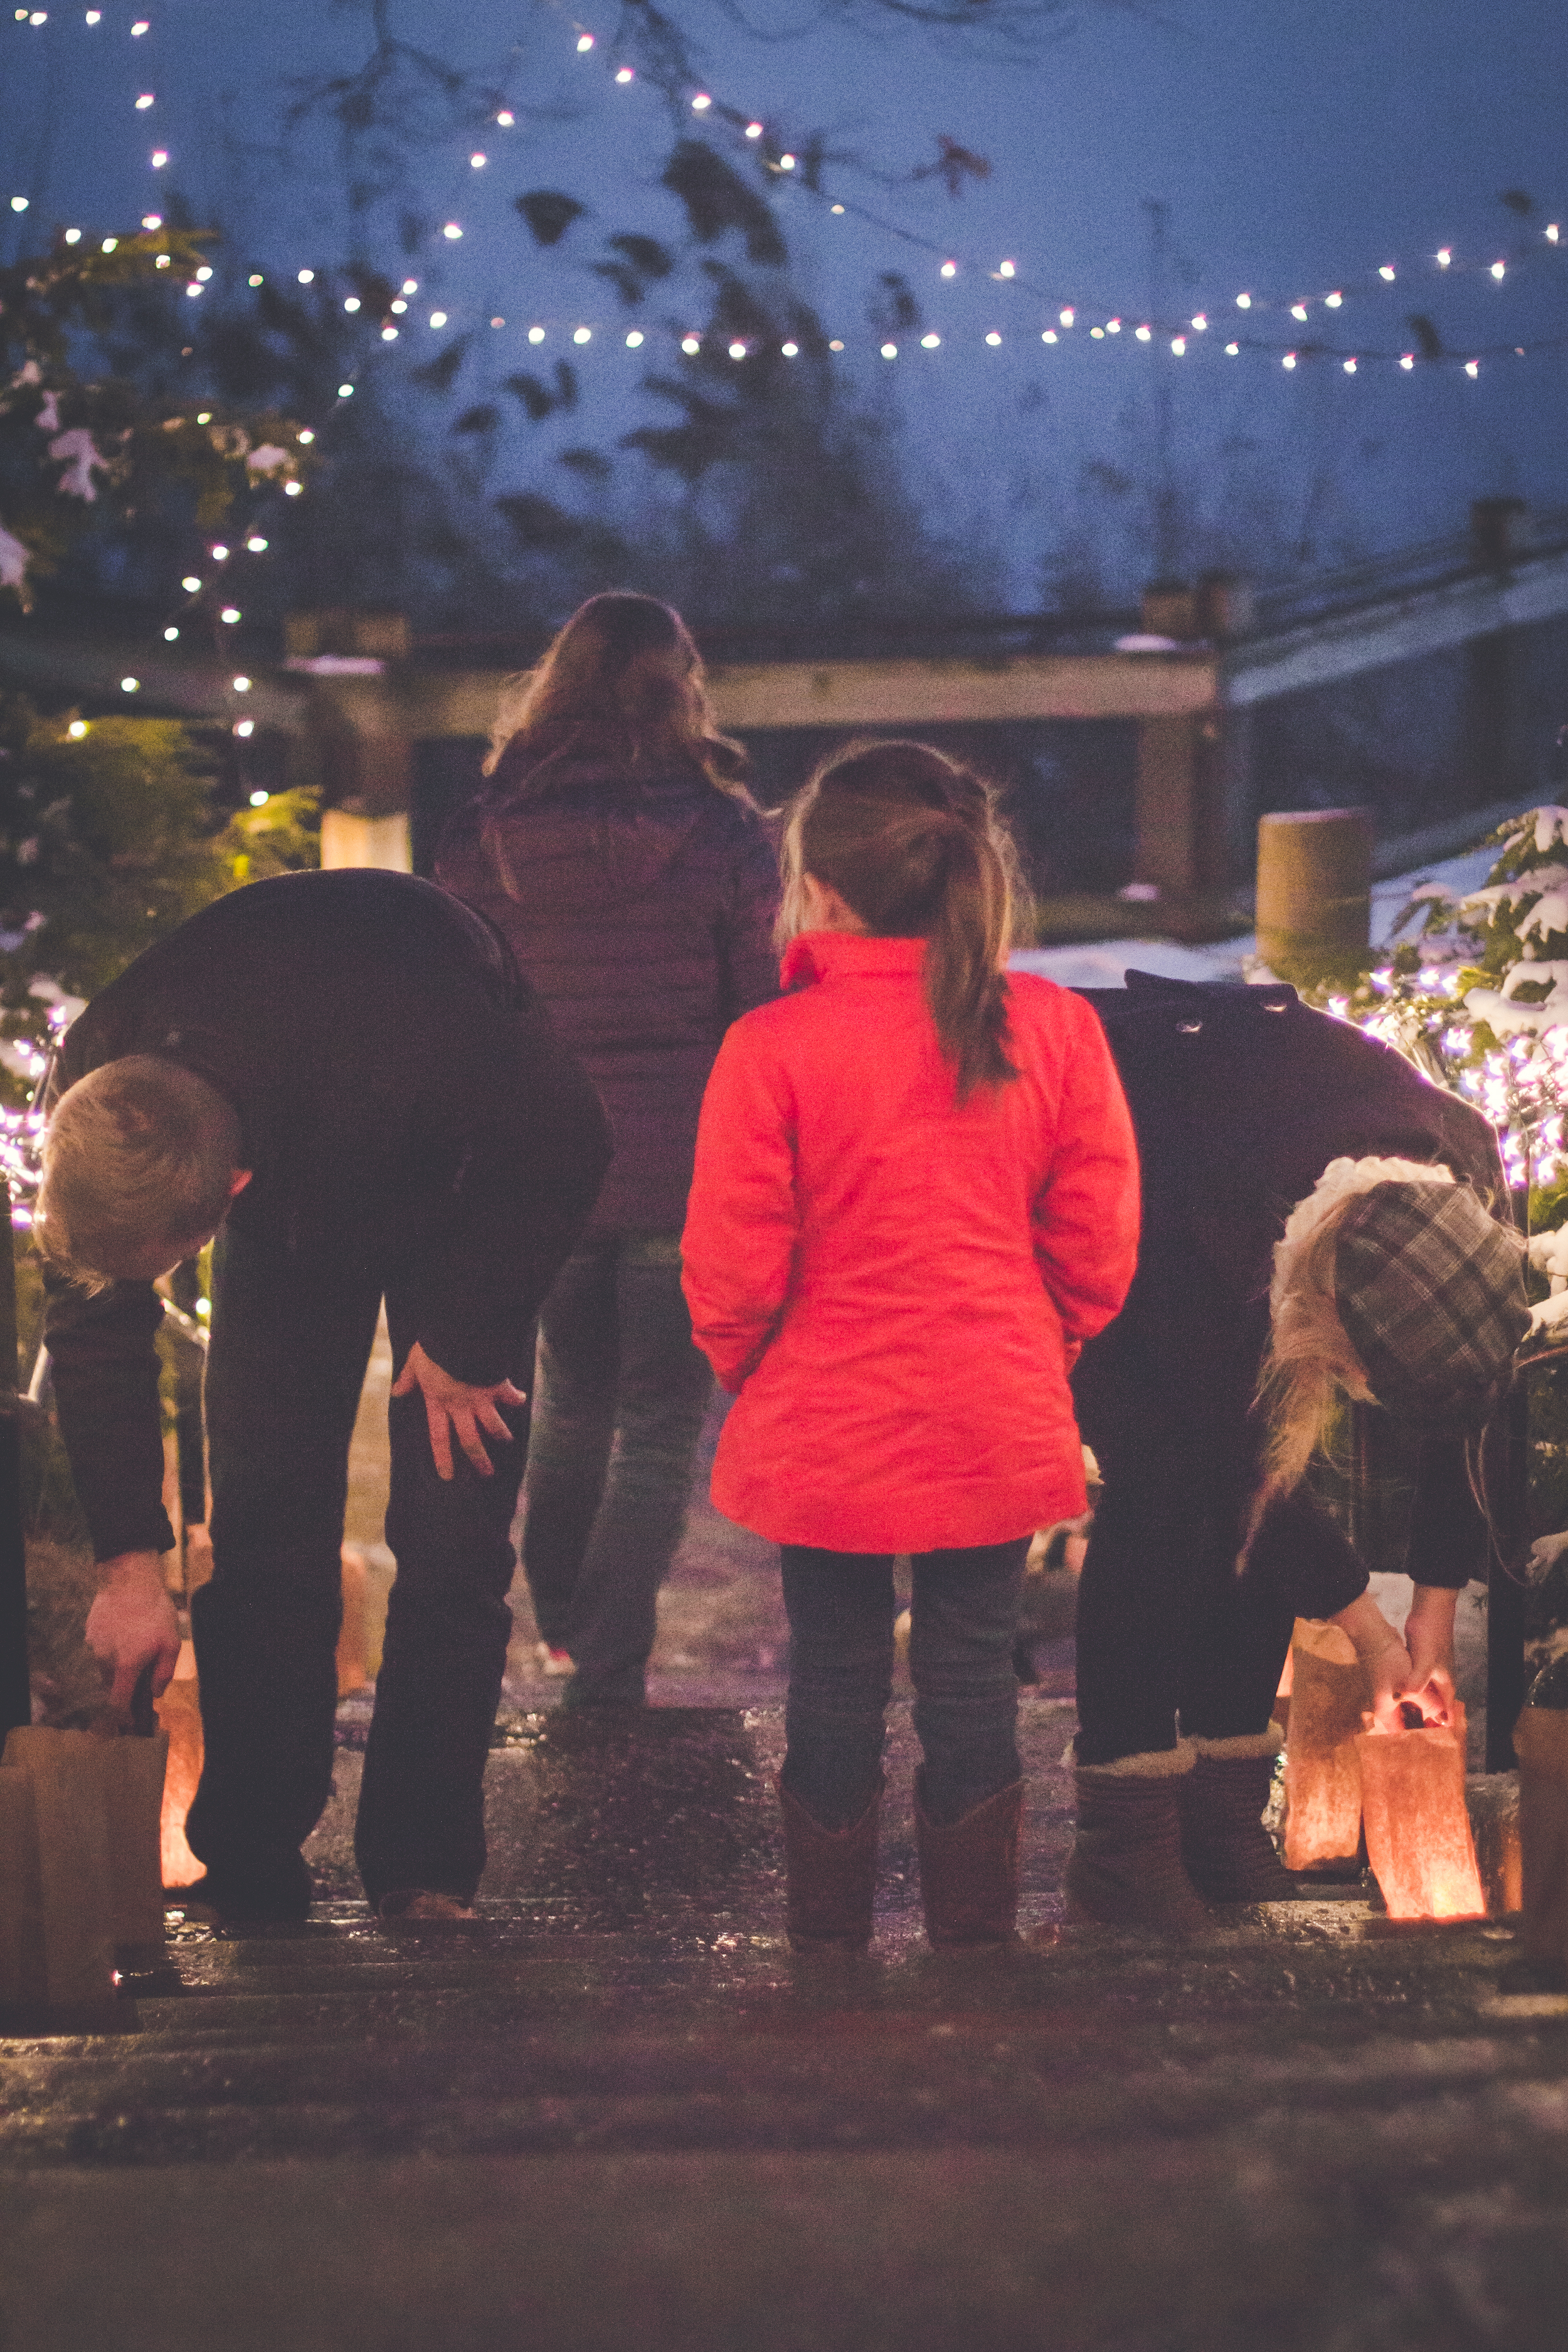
965 950
912 843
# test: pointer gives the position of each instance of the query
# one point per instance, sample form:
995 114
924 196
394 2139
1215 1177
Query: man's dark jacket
1241 1096
402 1101
643 913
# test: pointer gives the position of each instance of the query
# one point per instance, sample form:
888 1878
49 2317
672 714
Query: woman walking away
916 1195
619 852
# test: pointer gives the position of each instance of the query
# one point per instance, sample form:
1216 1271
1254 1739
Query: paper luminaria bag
1418 1837
1329 1695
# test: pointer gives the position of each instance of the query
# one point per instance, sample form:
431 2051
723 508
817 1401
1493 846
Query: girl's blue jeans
963 1617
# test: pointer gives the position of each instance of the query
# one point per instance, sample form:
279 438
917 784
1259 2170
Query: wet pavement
614 2115
614 2112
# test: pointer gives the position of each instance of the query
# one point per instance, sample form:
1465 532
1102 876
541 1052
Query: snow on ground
1102 963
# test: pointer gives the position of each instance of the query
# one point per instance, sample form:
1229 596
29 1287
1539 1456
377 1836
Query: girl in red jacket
916 1195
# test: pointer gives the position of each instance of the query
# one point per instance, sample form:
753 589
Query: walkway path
614 2116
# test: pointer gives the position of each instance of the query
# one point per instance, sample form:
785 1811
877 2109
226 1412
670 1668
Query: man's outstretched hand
131 1626
454 1407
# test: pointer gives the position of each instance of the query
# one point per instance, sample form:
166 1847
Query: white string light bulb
754 130
1007 269
790 350
160 156
1407 360
1387 273
1143 333
1200 323
930 342
584 42
890 350
306 277
1288 361
625 75
1445 255
478 161
292 490
1244 301
399 308
129 686
786 163
389 334
248 726
1298 311
1332 301
1232 350
1472 368
190 585
1050 336
506 117
582 334
219 554
73 235
151 220
438 318
1350 367
536 334
691 345
170 634
1113 326
701 103
256 544
230 614
144 102
1067 316
1179 345
452 230
1499 269
307 435
950 269
635 341
993 339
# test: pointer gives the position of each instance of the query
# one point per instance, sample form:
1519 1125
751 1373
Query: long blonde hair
911 842
1311 1365
622 686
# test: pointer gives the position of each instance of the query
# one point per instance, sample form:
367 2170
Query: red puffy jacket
894 1285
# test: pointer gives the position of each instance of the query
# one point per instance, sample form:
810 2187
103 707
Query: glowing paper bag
1418 1837
1329 1695
1541 1744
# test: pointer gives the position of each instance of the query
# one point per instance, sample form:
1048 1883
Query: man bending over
343 1077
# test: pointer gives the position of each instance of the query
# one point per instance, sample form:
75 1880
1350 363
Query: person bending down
341 1075
1319 1223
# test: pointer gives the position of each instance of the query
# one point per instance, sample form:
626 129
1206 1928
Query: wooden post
15 1693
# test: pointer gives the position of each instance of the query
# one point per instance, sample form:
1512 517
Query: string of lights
1069 316
1248 330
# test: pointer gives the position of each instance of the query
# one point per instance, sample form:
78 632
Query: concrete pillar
1314 885
352 837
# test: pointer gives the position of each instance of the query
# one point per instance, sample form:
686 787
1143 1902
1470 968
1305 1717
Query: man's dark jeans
963 1620
290 1339
617 1409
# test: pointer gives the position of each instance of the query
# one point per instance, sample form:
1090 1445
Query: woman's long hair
912 843
621 687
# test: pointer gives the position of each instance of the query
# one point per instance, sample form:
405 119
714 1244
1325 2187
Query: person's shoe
969 1870
280 1893
422 1907
1225 1851
830 1876
551 1661
1125 1869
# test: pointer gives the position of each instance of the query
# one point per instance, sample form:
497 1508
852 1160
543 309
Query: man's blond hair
139 1153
